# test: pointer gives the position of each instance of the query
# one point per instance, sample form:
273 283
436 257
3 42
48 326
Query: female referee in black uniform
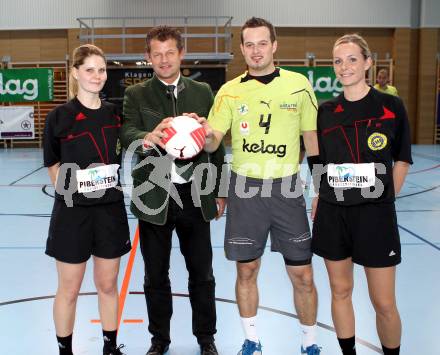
364 143
83 154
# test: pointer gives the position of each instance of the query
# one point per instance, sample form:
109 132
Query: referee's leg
382 290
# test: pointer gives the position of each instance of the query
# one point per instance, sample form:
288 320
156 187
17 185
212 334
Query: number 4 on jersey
265 124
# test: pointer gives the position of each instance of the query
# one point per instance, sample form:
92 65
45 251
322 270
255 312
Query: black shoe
110 350
208 349
157 349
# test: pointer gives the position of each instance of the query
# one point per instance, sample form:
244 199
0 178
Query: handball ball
185 138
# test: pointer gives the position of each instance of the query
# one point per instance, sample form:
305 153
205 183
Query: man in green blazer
171 194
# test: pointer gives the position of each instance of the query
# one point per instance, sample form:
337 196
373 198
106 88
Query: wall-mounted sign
322 79
118 79
26 85
17 122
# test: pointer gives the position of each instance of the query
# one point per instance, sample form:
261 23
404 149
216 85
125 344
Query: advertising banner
17 122
323 80
118 79
26 85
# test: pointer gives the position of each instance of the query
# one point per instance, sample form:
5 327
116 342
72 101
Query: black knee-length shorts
77 232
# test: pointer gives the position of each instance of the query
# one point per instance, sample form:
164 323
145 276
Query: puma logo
266 103
181 151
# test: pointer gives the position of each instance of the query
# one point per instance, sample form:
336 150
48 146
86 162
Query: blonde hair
356 39
79 55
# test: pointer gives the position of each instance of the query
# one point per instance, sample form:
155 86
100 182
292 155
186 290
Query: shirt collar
175 82
264 79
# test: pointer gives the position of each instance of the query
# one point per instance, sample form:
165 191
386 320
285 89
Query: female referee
364 143
83 153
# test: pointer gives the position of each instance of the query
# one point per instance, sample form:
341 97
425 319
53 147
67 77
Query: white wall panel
430 16
41 14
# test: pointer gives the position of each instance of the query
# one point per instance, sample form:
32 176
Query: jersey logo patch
288 107
377 141
243 109
338 109
266 103
244 128
80 116
262 147
387 114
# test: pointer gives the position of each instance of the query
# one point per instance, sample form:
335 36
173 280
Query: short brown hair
79 55
163 33
254 22
356 39
384 71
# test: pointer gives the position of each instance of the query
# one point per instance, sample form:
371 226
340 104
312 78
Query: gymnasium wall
405 30
430 11
44 14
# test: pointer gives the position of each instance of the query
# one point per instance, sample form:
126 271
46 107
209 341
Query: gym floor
28 277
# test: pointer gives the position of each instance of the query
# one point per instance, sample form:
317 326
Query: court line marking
43 189
34 171
424 170
125 321
127 275
426 156
412 185
419 237
419 192
133 321
22 185
224 300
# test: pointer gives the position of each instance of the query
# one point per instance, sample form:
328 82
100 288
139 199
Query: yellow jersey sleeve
309 108
221 114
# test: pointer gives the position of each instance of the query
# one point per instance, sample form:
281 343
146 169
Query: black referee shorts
368 233
77 232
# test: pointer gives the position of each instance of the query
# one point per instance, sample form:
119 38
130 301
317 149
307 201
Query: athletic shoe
311 350
208 349
250 348
111 350
157 349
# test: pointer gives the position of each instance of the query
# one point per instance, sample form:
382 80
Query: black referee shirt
374 129
76 134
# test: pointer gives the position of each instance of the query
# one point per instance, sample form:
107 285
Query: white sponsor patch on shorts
241 241
98 178
301 238
351 175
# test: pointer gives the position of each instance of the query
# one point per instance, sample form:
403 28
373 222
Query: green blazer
145 105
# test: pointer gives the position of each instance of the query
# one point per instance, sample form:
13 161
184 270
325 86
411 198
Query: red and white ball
185 138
